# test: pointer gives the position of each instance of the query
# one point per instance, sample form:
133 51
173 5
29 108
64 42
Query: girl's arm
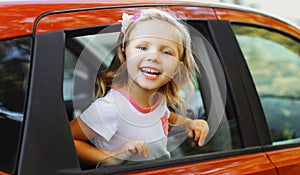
199 127
86 152
90 154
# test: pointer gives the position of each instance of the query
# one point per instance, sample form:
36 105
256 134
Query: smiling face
152 54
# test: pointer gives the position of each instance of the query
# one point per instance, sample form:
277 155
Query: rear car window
274 62
14 68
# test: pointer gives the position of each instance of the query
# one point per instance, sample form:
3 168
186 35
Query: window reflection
274 62
14 67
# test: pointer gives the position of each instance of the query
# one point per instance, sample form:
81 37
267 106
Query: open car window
86 54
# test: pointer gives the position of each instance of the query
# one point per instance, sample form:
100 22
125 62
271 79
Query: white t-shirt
116 118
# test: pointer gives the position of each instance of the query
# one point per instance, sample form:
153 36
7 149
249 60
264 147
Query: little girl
132 113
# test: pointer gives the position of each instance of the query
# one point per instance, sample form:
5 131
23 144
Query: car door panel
254 164
287 161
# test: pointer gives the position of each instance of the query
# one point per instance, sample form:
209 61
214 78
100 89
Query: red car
248 91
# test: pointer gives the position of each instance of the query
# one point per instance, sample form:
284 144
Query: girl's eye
165 52
143 48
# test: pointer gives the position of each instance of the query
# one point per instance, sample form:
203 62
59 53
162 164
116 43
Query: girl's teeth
149 70
151 75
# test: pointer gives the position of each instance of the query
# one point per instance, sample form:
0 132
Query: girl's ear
123 50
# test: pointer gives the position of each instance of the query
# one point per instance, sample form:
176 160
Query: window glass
14 67
97 53
274 62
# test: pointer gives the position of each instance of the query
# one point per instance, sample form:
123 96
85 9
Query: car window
87 54
14 67
274 62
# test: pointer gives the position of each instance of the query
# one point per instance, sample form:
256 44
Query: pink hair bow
127 20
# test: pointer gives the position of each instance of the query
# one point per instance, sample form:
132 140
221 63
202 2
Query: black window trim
40 151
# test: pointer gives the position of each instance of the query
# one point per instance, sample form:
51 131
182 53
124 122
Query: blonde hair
171 89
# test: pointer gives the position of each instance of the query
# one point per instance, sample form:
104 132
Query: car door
271 50
71 46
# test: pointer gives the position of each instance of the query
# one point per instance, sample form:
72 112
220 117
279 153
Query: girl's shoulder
105 105
109 101
108 98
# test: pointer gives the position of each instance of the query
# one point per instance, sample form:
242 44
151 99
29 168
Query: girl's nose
153 57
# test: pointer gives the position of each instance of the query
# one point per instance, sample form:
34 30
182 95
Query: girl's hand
126 151
200 130
139 147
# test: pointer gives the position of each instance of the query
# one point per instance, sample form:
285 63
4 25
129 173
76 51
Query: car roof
130 2
24 12
89 3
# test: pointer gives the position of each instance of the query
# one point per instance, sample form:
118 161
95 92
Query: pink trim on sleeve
165 124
